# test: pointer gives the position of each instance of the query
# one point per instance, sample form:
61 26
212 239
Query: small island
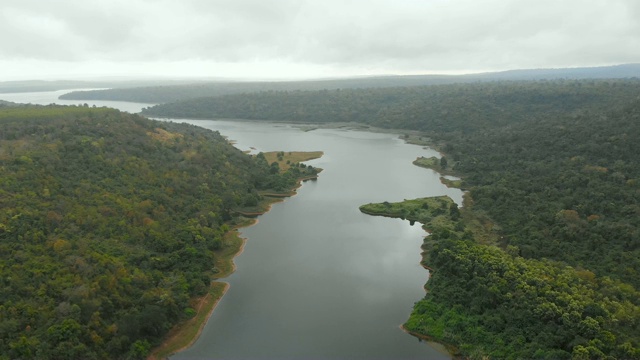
439 211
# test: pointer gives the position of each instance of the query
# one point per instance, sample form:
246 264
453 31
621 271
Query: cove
318 279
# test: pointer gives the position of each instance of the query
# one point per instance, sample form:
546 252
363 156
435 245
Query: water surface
318 279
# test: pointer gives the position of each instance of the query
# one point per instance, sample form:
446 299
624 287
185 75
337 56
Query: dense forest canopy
553 164
459 108
486 302
560 191
162 93
110 223
551 169
492 304
565 188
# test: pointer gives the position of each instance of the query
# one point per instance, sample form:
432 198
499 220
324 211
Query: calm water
51 97
318 279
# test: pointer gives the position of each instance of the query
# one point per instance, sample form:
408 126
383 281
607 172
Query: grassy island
432 212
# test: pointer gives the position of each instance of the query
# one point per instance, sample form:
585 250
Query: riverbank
442 347
185 334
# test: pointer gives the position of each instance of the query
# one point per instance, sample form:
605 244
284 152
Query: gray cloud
355 36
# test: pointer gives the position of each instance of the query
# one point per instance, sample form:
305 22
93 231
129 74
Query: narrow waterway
318 279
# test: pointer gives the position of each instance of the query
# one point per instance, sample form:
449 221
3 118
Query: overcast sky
278 39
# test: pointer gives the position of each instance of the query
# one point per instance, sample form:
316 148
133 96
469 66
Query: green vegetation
110 225
435 212
429 163
492 304
284 178
542 261
185 333
436 110
487 302
558 278
291 158
165 91
562 188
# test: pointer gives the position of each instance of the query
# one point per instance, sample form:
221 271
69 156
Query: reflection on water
318 278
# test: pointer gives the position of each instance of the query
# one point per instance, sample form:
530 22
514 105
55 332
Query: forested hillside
110 223
163 94
553 165
562 282
168 92
551 168
565 188
460 108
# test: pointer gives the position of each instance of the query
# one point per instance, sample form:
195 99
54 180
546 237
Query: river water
318 279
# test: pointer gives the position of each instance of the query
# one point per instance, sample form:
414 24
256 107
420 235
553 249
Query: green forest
438 109
551 168
110 224
170 91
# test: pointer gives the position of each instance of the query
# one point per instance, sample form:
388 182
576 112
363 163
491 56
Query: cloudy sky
282 39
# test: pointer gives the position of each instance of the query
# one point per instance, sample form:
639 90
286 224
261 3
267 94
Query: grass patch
432 212
286 158
451 183
429 163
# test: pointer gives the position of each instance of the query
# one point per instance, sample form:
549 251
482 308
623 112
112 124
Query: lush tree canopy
456 108
110 223
552 172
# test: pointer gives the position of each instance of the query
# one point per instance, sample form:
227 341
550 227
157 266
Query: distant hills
175 91
601 72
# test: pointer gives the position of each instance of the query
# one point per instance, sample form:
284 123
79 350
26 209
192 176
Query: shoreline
440 346
159 354
173 342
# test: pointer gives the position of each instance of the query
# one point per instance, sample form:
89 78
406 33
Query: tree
443 162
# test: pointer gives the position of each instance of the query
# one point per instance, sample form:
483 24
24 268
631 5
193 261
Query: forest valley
111 221
551 169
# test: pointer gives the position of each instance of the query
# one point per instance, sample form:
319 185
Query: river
318 279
